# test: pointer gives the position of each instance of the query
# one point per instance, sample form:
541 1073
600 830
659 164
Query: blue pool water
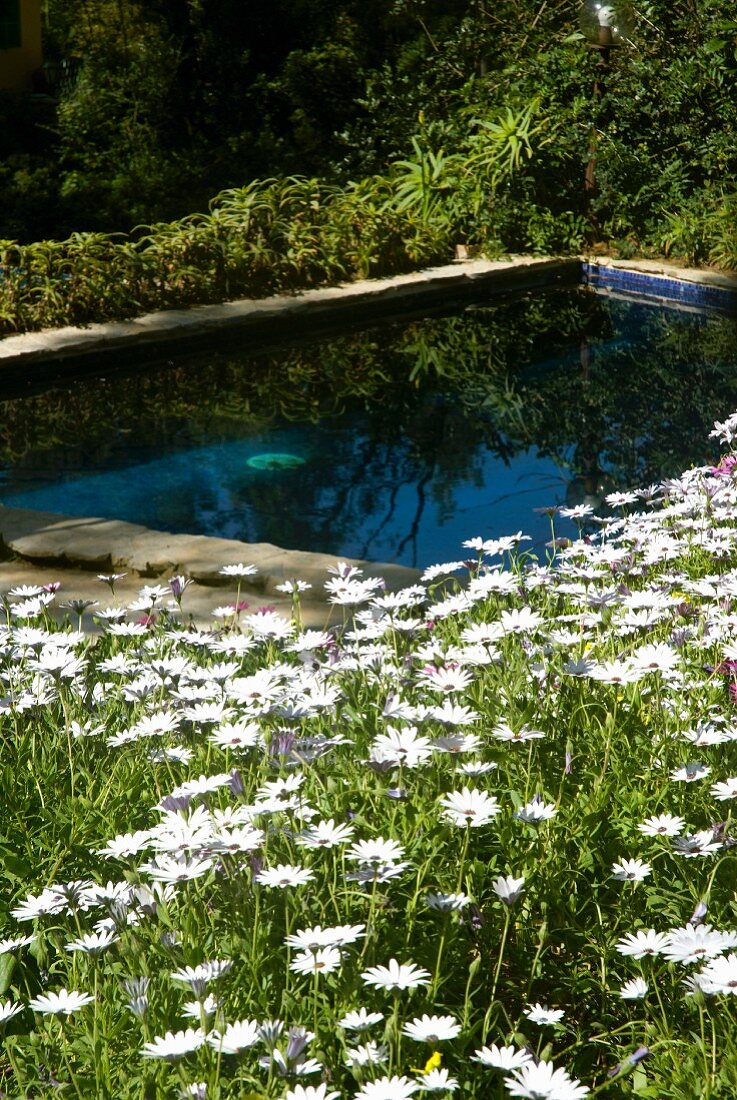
392 445
212 490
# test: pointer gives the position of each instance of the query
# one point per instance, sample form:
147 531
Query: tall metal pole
601 70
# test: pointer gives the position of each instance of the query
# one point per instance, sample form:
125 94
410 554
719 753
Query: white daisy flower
662 825
284 875
360 1020
396 976
508 888
725 790
62 1003
388 1088
644 942
541 1014
432 1029
502 1058
469 807
536 810
541 1081
323 961
237 1036
438 1080
174 1045
369 1054
311 1092
8 1010
634 989
631 870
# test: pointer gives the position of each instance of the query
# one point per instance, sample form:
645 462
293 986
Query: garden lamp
604 25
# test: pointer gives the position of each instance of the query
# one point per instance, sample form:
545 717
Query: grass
506 779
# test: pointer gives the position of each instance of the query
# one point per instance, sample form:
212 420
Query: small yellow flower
432 1063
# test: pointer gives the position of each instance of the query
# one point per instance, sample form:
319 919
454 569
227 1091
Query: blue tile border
658 286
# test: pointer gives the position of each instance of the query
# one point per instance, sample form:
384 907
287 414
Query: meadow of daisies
473 838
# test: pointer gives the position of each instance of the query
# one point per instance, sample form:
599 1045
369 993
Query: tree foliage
164 103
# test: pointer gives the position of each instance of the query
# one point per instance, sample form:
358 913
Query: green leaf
7 966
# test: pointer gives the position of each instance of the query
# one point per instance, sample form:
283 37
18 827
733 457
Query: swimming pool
393 443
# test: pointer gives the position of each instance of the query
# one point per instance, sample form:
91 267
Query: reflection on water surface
393 443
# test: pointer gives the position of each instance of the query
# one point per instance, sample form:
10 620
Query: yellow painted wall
17 65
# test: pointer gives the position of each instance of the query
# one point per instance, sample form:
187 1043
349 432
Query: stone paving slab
52 540
199 600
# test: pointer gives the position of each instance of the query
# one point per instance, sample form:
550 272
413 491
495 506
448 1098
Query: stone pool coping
50 542
111 545
288 315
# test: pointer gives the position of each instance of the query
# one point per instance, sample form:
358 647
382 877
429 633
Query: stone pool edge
105 545
362 302
357 302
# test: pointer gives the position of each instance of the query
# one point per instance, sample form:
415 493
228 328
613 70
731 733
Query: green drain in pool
271 460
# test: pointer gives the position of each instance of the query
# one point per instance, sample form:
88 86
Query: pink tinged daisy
631 870
237 1036
388 1088
447 678
505 1059
438 1080
662 825
642 943
284 875
174 1045
311 1092
469 807
432 1029
542 1081
396 976
323 961
62 1003
541 1014
725 790
8 1010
